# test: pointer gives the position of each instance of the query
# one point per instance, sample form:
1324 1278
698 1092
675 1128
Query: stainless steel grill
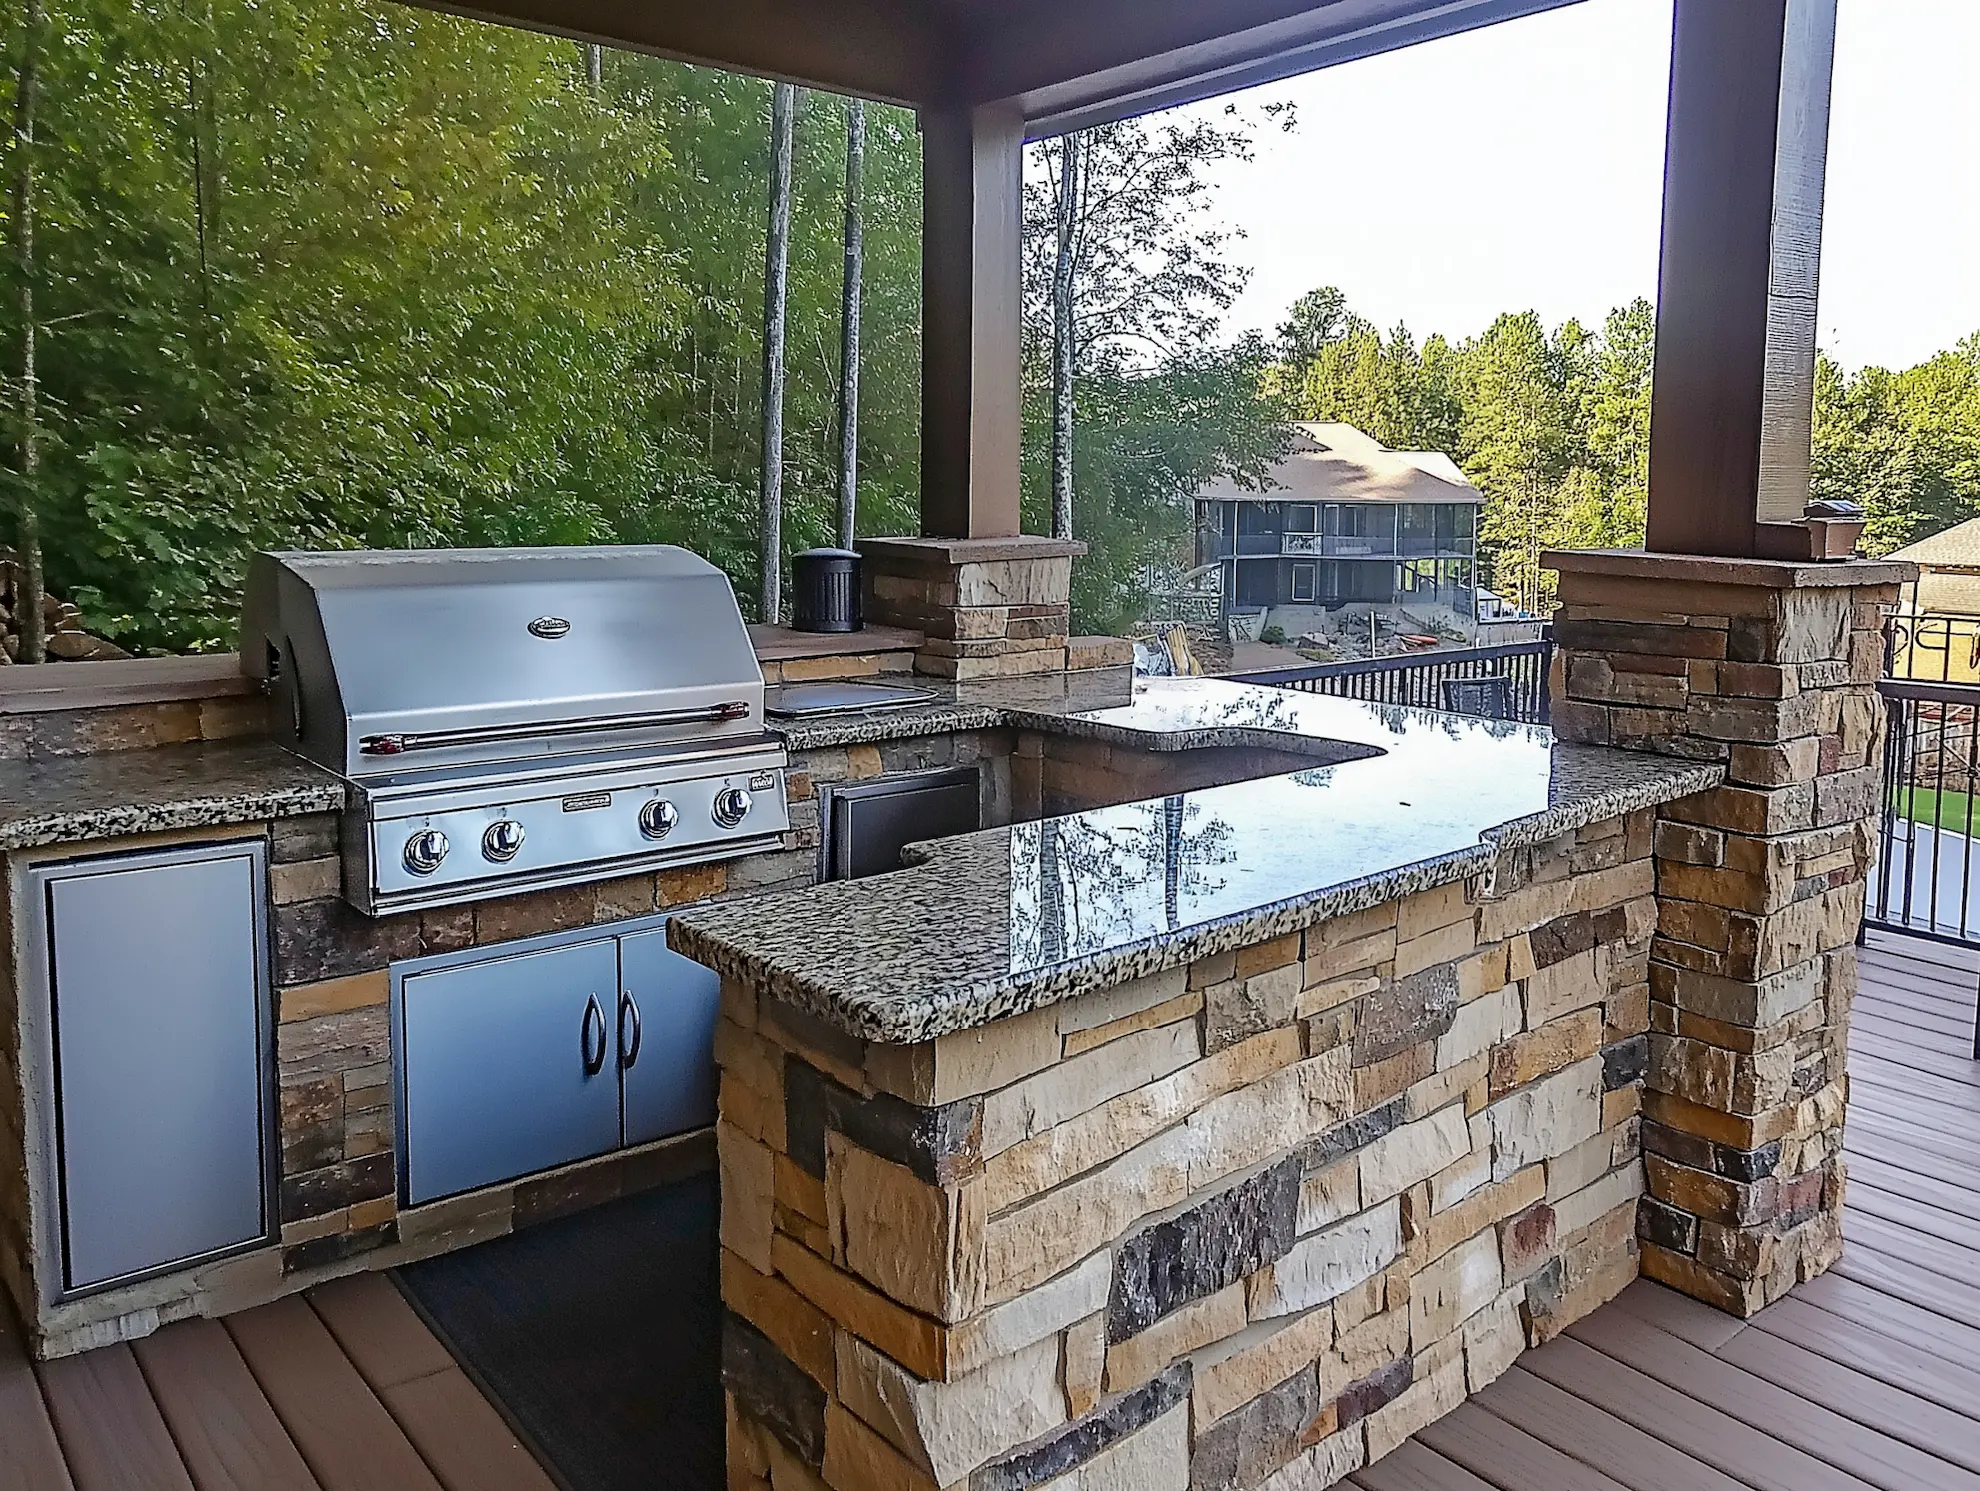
511 719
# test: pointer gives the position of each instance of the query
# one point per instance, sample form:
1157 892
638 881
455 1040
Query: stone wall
93 729
1246 1223
1772 669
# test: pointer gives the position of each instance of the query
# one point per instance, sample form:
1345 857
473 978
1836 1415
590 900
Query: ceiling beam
892 50
1069 64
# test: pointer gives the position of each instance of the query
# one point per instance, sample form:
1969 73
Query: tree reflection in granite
1093 881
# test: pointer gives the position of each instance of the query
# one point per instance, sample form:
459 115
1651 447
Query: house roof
1338 463
1958 547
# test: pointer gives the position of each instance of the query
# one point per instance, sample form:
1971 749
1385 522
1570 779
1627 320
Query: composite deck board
1934 1029
464 1439
1891 1167
1957 1157
1600 1440
30 1455
112 1434
1884 1355
1751 1457
1505 1454
1815 1429
1947 1077
1893 1315
226 1432
348 1437
1942 1433
1416 1467
380 1332
1888 1204
1953 1262
1896 1276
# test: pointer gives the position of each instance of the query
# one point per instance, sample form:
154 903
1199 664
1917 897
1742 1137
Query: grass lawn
1947 810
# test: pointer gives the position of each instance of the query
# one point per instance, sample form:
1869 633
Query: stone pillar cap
970 550
1704 569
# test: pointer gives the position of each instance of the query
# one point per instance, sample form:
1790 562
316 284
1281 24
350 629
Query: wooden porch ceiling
1061 64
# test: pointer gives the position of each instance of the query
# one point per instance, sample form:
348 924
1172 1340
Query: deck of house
1869 1377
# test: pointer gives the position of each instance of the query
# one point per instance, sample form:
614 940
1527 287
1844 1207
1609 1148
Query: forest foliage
334 273
331 273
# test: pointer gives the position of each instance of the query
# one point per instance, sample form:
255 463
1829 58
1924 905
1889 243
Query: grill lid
395 660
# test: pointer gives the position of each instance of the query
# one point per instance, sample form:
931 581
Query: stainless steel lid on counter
517 718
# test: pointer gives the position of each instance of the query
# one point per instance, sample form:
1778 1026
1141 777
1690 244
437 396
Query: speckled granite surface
1003 921
183 786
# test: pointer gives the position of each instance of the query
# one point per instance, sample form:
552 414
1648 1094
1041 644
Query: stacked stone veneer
987 608
1245 1223
1772 669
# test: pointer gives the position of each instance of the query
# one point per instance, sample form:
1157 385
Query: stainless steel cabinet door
157 975
509 1066
667 1038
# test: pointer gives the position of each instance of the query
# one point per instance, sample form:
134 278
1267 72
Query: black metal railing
1505 682
1924 883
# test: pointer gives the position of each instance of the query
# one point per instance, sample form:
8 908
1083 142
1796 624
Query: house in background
1345 521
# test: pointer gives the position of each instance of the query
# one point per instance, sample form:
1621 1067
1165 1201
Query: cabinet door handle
628 1045
593 1065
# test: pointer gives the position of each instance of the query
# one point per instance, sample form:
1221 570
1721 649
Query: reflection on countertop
69 799
997 922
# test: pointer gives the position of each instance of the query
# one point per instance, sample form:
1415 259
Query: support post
1771 669
1743 193
971 414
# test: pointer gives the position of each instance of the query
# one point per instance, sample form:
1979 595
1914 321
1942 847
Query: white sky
1521 166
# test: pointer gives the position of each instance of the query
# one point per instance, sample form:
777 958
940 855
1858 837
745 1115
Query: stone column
1771 668
987 607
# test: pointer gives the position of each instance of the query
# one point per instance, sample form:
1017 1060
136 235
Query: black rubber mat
599 1336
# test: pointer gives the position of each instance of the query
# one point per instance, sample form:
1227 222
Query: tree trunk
1063 351
776 258
849 321
28 588
594 68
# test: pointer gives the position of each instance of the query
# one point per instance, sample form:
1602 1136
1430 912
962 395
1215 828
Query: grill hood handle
437 740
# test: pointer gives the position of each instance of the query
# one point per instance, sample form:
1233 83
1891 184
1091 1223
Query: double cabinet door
522 1061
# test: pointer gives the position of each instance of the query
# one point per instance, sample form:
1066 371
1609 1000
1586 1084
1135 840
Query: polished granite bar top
69 799
994 923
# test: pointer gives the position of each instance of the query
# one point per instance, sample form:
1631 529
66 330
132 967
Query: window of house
1302 582
1301 517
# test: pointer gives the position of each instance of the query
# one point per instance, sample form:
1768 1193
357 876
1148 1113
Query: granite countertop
994 923
69 799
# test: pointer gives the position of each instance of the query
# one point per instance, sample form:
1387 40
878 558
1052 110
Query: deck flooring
339 1389
1866 1378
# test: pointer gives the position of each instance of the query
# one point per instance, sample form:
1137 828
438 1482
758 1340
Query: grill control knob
658 817
503 839
425 850
731 806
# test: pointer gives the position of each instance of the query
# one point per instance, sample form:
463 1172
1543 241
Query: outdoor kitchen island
1222 1139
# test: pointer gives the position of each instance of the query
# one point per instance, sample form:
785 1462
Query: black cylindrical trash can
825 591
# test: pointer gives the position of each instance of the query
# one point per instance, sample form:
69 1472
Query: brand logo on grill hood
550 628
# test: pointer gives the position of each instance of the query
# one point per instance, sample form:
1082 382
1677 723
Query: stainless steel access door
510 1066
158 982
666 1038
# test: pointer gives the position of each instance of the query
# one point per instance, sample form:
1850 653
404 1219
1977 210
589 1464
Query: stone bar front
1248 1221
